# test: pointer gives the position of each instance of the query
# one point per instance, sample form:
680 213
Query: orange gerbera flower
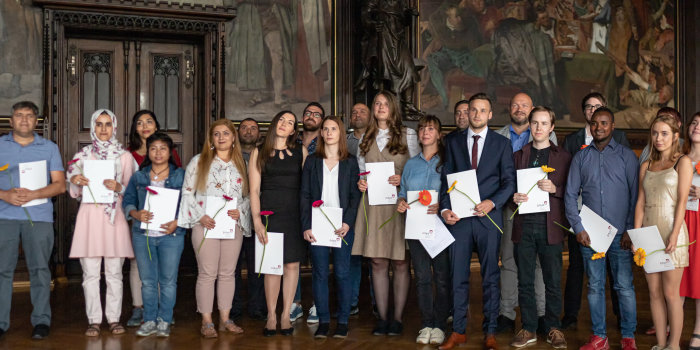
640 256
597 256
424 197
547 169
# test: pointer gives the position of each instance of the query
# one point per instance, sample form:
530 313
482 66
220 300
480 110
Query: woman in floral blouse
224 175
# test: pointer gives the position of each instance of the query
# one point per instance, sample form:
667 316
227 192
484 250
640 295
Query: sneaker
556 339
313 316
424 336
322 331
628 344
163 328
147 328
523 338
296 312
136 317
596 343
354 310
437 336
505 325
395 328
341 331
40 332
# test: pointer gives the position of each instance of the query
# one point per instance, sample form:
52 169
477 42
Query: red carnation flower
266 212
150 190
73 161
228 198
317 203
363 174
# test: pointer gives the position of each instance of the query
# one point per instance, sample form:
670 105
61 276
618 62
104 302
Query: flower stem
528 193
562 226
148 247
264 247
329 220
487 215
364 208
678 246
207 230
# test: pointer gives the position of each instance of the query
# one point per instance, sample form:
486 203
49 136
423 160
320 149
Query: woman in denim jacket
158 263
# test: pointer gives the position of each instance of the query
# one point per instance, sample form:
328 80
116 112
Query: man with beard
248 134
518 132
359 119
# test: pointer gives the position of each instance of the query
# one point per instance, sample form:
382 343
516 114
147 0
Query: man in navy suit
495 174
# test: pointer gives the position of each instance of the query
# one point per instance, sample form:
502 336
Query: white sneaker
437 336
424 335
313 316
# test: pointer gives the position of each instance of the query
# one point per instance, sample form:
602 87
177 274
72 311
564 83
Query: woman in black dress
275 179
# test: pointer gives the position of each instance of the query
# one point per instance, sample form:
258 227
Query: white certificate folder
225 227
322 229
97 171
163 206
273 264
537 200
32 176
649 239
600 231
466 182
379 190
420 224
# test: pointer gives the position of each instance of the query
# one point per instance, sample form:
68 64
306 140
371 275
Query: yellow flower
452 187
597 256
547 169
4 167
640 256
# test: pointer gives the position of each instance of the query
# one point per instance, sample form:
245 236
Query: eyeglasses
309 113
593 107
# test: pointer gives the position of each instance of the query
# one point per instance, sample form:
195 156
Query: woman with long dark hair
275 180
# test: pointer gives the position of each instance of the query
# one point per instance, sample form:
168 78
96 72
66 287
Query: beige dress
661 192
388 242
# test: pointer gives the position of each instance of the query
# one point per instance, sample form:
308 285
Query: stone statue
387 63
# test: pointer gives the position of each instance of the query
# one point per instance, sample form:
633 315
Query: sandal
93 330
696 336
208 331
116 328
229 326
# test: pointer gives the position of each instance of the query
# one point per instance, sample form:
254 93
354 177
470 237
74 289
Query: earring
212 148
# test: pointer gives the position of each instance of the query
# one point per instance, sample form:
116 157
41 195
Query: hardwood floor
69 323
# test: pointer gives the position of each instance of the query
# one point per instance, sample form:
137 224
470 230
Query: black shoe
568 323
341 331
288 331
322 331
505 325
541 329
395 328
269 332
354 310
40 331
380 328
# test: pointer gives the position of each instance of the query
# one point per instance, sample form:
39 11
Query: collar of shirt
435 158
38 140
612 145
482 133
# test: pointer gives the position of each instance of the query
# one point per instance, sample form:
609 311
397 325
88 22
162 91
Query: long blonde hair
672 122
208 153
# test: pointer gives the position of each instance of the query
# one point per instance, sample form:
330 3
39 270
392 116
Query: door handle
189 69
72 64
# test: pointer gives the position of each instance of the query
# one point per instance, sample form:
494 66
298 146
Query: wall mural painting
20 54
555 50
278 56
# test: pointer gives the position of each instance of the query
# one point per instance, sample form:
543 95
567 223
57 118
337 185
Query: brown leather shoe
523 338
556 339
490 342
454 340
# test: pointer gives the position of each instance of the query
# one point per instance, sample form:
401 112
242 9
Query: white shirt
329 192
589 137
470 143
383 140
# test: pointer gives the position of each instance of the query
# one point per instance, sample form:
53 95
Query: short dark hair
158 136
315 104
247 120
459 103
134 138
596 95
604 110
481 96
26 104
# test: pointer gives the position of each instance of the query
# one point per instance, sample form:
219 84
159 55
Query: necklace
155 175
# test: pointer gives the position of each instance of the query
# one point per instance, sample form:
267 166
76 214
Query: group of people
594 167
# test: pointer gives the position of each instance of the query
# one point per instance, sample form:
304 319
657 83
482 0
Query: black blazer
574 141
312 185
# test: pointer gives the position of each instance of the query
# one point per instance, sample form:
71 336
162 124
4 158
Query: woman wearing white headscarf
101 231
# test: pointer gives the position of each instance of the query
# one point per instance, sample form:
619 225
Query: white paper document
420 224
537 200
274 254
466 182
600 231
442 239
32 176
225 226
649 239
97 171
163 206
693 203
379 191
322 229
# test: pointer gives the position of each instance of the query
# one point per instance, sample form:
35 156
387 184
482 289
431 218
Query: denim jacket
135 194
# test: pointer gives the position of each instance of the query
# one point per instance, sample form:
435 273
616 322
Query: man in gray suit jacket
518 132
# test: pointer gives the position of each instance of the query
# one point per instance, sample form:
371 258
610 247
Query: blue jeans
621 266
355 279
320 259
158 272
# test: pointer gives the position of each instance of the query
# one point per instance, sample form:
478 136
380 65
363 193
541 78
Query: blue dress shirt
518 141
420 174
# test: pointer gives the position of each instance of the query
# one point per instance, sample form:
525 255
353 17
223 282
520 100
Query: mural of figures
21 58
555 50
277 57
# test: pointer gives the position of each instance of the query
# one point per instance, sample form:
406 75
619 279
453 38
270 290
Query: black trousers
256 287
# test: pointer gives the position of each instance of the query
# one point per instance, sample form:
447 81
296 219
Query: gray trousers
509 273
37 244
